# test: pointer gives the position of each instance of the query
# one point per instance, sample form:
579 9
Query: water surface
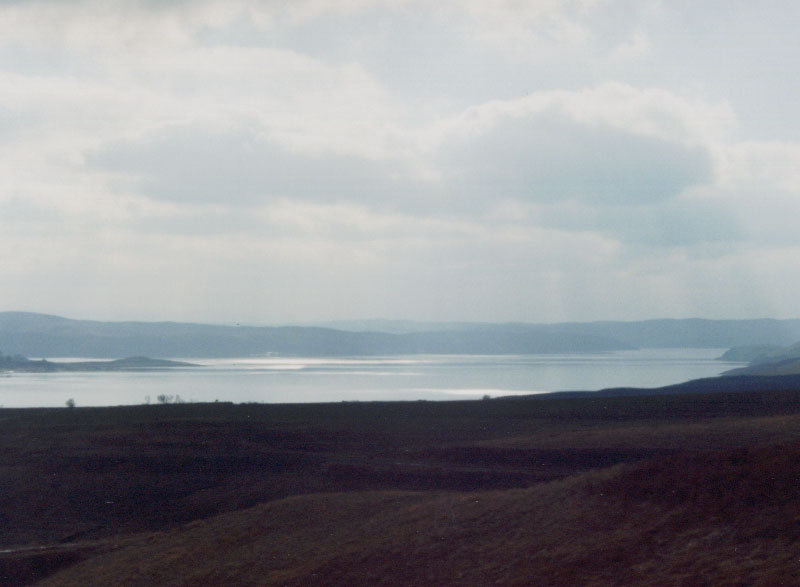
413 377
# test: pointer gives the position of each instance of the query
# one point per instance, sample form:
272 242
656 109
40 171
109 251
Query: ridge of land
40 335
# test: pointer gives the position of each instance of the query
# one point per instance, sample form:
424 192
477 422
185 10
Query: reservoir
367 378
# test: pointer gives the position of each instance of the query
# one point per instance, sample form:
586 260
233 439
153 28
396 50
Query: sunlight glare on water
319 379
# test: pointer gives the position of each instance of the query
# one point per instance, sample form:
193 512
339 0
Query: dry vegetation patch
649 523
664 490
663 435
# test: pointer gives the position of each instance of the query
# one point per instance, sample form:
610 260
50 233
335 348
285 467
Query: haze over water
413 377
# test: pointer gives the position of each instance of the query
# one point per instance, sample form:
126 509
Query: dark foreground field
694 489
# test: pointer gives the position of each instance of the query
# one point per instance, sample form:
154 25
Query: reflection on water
430 377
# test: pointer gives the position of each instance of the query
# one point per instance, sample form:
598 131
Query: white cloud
526 26
760 165
637 47
647 111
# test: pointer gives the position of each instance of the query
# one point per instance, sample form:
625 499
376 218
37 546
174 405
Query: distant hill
692 332
733 382
40 335
398 326
752 353
663 333
758 354
785 367
765 360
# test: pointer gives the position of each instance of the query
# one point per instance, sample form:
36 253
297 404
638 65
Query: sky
270 162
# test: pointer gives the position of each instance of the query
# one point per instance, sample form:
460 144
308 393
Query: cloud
504 160
653 112
549 158
534 150
679 222
764 165
198 165
608 145
637 47
766 216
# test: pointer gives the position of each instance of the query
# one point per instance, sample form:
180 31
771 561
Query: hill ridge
45 335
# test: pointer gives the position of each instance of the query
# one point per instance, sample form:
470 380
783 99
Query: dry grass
508 492
728 518
705 434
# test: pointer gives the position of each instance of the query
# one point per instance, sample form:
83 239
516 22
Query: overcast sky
273 162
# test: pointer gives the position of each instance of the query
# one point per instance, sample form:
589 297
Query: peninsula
18 363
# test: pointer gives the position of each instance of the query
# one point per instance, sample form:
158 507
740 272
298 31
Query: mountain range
42 335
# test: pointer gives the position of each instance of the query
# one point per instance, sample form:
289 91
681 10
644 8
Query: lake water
429 377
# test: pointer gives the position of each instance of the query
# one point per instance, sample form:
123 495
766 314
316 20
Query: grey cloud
548 161
14 125
677 222
552 159
24 215
192 165
197 221
414 55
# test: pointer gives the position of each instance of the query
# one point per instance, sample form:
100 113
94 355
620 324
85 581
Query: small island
20 364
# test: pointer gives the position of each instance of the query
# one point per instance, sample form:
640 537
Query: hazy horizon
396 323
289 163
